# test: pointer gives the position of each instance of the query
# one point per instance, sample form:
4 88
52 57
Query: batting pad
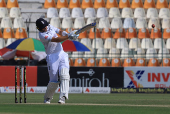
64 82
51 87
64 88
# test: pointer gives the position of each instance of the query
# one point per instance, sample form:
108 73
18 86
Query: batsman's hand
72 35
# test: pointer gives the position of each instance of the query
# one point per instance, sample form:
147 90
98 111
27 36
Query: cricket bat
87 27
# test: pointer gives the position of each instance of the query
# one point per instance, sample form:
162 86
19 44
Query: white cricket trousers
55 62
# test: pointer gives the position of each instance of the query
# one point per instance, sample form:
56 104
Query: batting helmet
41 23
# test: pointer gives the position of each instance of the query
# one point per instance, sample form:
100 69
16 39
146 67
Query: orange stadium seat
104 62
166 33
120 33
165 62
92 33
99 4
111 4
149 4
2 3
140 62
128 62
143 33
153 62
137 4
1 36
49 3
155 33
8 33
87 4
124 4
71 62
62 4
79 62
83 35
106 33
131 33
116 62
161 4
91 62
74 4
12 3
20 33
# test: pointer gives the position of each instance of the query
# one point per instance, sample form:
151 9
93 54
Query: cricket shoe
47 101
62 100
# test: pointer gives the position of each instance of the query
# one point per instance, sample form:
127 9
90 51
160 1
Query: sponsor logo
58 90
135 78
88 82
90 72
87 90
6 89
97 90
32 90
46 37
158 77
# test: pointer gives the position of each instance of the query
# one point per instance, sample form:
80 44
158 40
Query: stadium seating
111 4
49 3
114 12
140 53
106 33
128 62
89 12
124 4
20 33
3 12
64 12
79 62
87 4
8 33
55 21
99 4
15 12
52 12
161 4
153 62
97 43
114 53
123 36
140 62
2 43
2 3
79 23
12 3
62 4
74 4
166 33
137 4
165 62
116 62
139 12
104 62
91 62
109 43
149 4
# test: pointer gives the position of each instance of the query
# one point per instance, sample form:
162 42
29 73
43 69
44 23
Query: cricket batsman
57 59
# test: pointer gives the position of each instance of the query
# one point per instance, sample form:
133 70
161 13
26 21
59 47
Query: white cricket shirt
45 37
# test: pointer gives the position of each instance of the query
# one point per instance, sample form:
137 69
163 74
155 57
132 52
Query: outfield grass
89 104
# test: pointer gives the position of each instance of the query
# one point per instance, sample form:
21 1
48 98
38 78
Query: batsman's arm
62 33
59 39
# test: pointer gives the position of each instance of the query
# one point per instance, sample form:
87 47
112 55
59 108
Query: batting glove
72 35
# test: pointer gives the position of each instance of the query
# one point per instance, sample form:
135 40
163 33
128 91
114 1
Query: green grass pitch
118 103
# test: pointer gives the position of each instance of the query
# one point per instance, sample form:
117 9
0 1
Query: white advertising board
147 77
104 90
